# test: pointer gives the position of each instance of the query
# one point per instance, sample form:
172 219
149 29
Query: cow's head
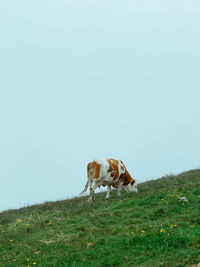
131 187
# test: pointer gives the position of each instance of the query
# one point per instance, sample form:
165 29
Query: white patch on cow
104 175
104 167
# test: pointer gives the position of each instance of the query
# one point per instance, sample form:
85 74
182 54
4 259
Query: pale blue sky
90 79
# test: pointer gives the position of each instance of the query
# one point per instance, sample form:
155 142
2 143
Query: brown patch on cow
122 178
113 169
126 178
93 169
96 170
90 168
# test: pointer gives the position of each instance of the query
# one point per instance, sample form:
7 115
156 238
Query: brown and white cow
109 172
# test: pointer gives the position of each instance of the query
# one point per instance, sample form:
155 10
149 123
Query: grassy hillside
151 228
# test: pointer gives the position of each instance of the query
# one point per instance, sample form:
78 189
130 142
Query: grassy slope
151 228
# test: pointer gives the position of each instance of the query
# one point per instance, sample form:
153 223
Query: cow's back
97 168
105 168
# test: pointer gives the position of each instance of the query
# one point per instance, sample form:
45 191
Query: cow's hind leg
91 198
93 187
108 192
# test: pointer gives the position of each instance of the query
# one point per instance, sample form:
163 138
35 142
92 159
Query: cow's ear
132 182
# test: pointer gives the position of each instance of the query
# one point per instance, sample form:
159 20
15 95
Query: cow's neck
126 178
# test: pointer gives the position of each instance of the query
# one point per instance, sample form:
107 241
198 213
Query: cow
108 172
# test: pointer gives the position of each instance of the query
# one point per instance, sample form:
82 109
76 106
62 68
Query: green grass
151 228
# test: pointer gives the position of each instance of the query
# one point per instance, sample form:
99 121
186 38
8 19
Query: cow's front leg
119 190
108 192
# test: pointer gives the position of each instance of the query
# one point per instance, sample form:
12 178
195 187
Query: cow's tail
85 188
